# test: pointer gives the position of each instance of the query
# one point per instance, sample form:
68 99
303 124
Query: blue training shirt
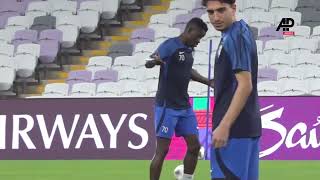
237 52
175 74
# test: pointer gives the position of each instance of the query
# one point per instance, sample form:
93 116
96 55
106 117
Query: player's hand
220 136
156 61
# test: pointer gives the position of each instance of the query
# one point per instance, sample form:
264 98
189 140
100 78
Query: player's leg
187 127
232 161
253 172
157 160
165 123
191 158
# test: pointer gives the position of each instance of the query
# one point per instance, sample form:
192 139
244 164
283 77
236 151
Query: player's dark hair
197 22
205 2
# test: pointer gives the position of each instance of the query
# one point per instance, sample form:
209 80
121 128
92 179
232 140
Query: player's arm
195 76
238 102
155 60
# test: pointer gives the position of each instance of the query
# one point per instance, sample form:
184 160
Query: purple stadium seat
181 21
25 36
108 75
11 6
142 35
198 13
4 17
198 9
79 77
267 74
50 45
269 33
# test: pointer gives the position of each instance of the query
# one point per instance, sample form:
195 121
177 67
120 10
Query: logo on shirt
181 56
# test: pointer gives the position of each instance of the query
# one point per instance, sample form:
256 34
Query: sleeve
238 47
165 50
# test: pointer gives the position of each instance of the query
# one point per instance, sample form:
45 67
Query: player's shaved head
196 23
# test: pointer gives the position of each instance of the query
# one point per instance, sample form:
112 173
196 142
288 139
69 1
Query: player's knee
162 152
194 149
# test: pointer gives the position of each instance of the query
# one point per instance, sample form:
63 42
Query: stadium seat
198 9
290 73
83 90
306 6
298 46
311 18
299 32
6 35
240 5
152 88
25 36
128 76
276 46
70 26
268 88
38 8
307 60
133 89
254 6
120 49
110 9
146 48
142 35
22 22
151 75
293 87
203 46
282 5
107 75
201 59
7 73
4 18
269 33
314 87
97 63
63 8
262 19
312 74
6 50
263 61
79 76
281 61
89 14
42 23
11 6
128 61
56 90
267 74
108 89
26 59
180 7
181 21
160 21
49 41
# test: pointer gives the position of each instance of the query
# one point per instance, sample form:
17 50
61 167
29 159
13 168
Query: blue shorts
169 121
239 160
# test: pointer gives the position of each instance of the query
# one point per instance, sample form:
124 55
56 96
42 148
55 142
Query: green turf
138 170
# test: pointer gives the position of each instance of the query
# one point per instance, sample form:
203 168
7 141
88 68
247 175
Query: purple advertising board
76 129
123 128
